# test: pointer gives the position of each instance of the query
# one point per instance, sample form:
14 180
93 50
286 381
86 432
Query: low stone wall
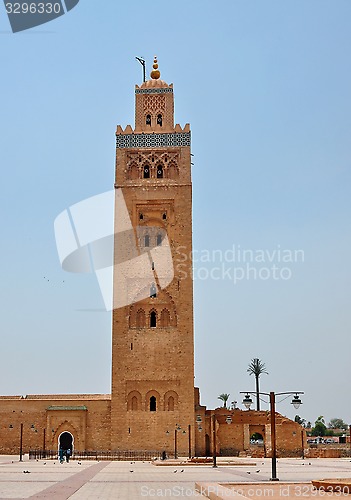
315 453
328 451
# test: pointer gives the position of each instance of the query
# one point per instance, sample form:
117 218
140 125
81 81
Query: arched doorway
66 441
256 439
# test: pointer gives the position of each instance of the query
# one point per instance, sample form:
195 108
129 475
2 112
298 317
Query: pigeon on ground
174 471
131 471
182 470
258 470
248 472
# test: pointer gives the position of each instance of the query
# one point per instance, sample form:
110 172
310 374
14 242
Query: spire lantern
155 73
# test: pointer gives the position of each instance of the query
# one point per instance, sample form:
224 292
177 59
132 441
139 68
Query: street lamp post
44 443
273 437
214 434
296 402
21 439
302 445
178 428
21 444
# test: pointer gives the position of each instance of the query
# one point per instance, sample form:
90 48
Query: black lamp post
44 443
214 434
176 430
175 444
21 438
21 444
296 402
189 440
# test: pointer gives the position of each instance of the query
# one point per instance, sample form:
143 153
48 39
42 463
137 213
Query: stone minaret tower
152 332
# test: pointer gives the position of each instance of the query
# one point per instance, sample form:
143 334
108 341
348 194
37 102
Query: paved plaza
126 480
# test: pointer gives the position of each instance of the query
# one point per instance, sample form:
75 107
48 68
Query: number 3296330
33 8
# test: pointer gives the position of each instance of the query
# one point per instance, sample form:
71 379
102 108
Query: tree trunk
257 393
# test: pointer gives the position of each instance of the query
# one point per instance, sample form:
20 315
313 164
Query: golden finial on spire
155 73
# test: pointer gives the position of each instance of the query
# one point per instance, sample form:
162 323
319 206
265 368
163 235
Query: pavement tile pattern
128 481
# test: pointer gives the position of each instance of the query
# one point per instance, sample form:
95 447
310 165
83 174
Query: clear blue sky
266 88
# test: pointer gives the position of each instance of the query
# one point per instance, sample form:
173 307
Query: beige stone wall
235 437
89 427
145 430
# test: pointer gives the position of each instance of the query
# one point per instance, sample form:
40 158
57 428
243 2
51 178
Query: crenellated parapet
129 130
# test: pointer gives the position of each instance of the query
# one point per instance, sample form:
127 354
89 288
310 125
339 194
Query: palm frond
256 367
224 397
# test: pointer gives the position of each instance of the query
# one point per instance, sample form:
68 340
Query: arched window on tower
140 319
159 240
165 318
134 401
146 240
159 172
148 120
172 170
152 403
159 120
146 172
133 171
153 319
170 403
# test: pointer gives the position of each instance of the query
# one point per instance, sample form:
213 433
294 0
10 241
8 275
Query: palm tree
257 367
224 397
